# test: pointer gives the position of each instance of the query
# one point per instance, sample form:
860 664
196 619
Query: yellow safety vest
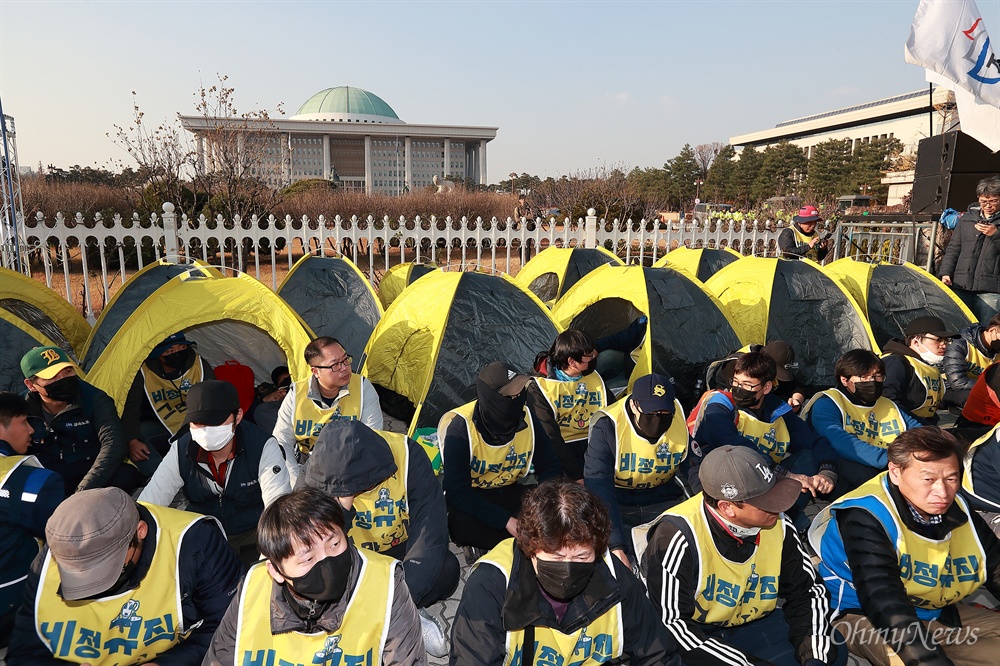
930 377
9 463
382 514
731 593
598 642
803 239
967 481
876 426
976 361
310 417
168 397
128 628
770 438
573 403
640 463
935 573
360 638
492 466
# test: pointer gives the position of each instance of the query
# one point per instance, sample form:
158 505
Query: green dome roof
344 101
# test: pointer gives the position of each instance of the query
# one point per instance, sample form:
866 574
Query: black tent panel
545 287
581 262
898 294
16 343
39 320
712 261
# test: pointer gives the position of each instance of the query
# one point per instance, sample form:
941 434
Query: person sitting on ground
76 431
968 355
799 239
912 374
565 394
635 449
225 467
901 554
749 415
857 419
317 599
719 375
716 566
395 507
555 594
331 392
981 478
982 408
267 399
29 494
154 407
119 582
491 445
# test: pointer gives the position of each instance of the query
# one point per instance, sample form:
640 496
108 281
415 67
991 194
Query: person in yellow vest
975 348
556 595
635 448
491 445
394 506
565 394
331 392
317 599
902 553
981 478
156 401
800 240
913 378
716 566
857 419
29 494
124 583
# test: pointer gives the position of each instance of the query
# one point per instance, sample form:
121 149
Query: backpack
695 415
241 377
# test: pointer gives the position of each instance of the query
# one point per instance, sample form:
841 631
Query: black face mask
326 581
564 580
63 390
502 416
995 347
179 359
652 426
867 393
744 398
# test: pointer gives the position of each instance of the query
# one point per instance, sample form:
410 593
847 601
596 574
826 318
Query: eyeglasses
869 378
993 203
746 385
936 340
336 365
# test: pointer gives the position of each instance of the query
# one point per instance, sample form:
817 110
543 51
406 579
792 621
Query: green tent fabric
426 351
553 271
334 298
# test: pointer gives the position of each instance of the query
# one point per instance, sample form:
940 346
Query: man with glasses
331 392
913 377
971 264
972 352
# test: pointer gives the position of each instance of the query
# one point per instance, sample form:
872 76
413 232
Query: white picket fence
69 245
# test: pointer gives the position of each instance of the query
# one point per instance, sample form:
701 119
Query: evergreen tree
781 171
720 185
830 169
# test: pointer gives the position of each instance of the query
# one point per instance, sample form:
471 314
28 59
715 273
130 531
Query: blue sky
571 85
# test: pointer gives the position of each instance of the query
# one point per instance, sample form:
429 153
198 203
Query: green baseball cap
45 362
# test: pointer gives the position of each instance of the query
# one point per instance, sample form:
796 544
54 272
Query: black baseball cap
928 326
211 402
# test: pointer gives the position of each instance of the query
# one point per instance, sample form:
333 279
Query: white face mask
929 356
213 438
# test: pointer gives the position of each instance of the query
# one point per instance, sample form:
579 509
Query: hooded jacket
972 259
902 385
955 366
350 458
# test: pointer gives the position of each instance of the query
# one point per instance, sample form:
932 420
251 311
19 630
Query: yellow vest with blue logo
803 239
731 593
976 361
876 426
968 482
360 638
640 463
935 574
493 466
770 438
933 384
168 397
128 628
598 642
7 466
574 402
382 514
310 417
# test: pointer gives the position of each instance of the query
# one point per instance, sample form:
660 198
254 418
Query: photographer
970 264
801 240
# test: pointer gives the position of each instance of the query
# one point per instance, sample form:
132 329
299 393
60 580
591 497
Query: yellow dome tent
44 310
553 271
18 338
399 277
701 262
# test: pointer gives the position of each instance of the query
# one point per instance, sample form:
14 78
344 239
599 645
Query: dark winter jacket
350 458
209 575
955 366
137 408
874 565
84 443
789 247
902 385
491 606
972 259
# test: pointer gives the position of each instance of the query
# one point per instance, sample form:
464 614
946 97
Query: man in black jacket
971 264
968 355
913 378
716 565
902 552
77 432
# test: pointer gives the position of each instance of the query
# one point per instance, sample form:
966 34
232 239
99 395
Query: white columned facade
286 157
368 164
200 142
482 162
408 162
447 158
326 157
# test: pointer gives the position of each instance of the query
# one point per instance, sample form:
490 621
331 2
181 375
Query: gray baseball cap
741 474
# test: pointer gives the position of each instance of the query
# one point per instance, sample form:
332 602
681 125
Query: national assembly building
349 136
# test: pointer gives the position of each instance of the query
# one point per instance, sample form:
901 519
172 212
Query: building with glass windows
350 136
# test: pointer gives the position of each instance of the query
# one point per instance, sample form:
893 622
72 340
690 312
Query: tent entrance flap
605 317
219 341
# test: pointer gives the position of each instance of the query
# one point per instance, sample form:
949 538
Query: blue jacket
826 419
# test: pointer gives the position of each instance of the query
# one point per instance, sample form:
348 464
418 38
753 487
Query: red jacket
983 405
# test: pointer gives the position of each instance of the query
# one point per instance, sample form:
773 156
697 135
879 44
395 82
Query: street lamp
697 189
513 175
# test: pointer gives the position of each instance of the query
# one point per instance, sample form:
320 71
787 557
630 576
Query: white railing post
590 229
169 230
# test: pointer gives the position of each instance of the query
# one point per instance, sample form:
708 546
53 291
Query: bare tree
705 154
